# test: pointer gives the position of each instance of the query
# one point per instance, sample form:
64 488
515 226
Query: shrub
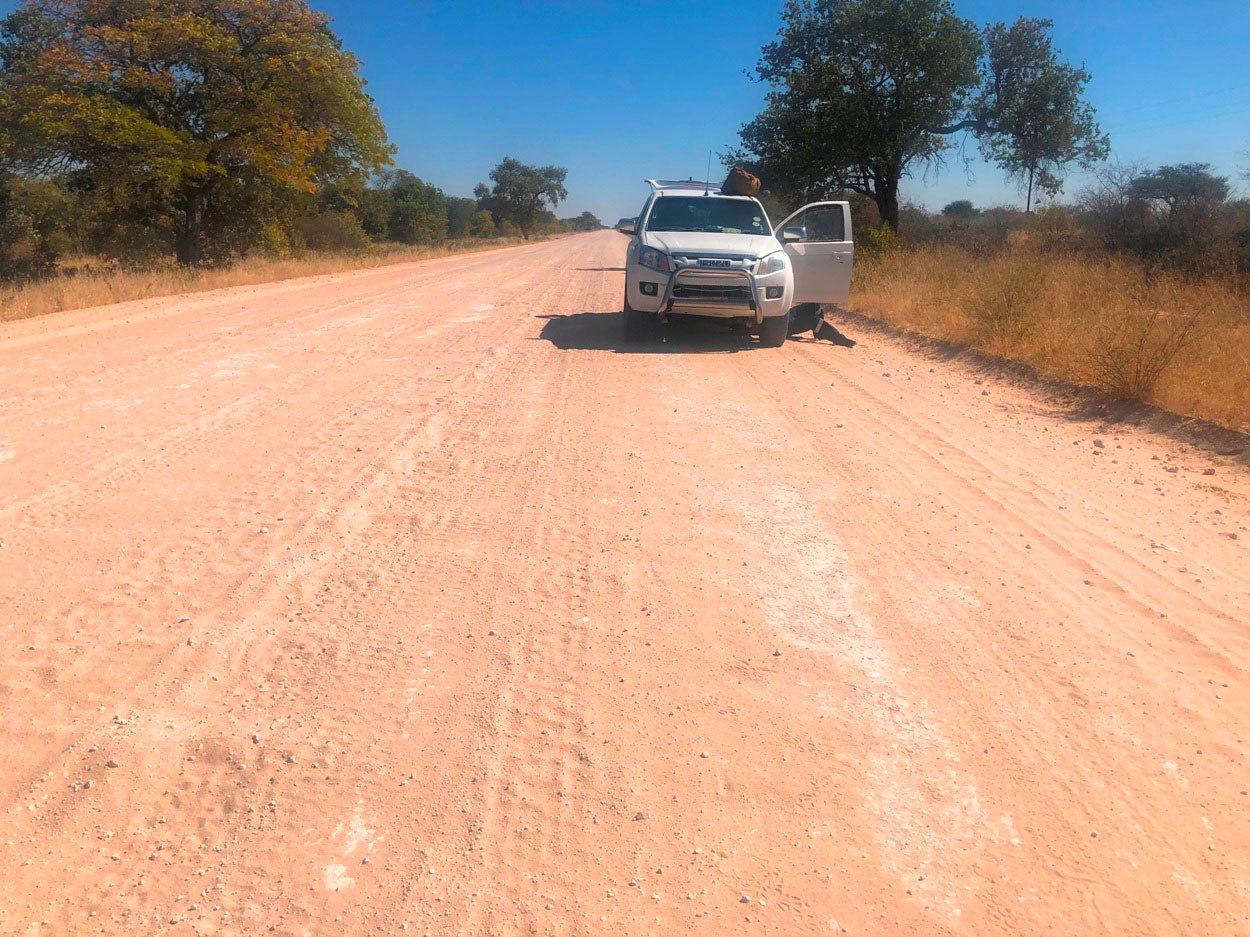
274 241
418 212
1004 297
418 221
482 225
332 231
1132 351
880 240
35 222
960 208
460 213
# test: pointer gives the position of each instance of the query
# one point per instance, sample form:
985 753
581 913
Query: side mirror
794 234
626 229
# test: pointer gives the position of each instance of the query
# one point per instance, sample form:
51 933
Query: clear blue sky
618 91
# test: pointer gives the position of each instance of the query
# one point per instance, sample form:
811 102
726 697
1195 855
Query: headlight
773 263
656 260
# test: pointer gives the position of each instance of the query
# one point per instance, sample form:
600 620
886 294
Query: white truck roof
692 184
691 187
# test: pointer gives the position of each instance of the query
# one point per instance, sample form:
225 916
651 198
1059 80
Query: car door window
822 224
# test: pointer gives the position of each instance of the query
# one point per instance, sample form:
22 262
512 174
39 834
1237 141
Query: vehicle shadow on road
605 331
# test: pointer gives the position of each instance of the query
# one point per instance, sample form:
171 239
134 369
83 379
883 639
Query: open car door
818 239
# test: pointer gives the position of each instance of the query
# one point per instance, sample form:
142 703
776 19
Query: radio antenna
707 185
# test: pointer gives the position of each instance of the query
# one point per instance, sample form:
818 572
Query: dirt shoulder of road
102 286
1080 401
138 310
1175 340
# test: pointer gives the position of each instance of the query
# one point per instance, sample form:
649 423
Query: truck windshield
707 213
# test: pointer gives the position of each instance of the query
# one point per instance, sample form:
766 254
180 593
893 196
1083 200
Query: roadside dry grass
1179 342
88 282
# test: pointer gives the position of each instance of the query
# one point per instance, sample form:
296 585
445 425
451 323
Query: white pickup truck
697 252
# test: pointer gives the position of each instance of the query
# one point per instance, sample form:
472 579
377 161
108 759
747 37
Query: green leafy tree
460 216
960 208
25 37
188 111
37 218
1035 127
374 207
482 225
1185 212
864 90
522 195
1188 192
586 221
419 210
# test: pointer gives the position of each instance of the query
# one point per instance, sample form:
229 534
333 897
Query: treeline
45 220
1138 287
1181 217
398 207
864 93
204 130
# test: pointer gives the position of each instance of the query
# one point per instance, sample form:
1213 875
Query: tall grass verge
1177 341
89 282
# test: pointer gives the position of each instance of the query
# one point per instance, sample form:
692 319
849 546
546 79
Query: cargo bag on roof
740 182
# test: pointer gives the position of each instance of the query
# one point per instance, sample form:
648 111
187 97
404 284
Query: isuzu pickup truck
695 251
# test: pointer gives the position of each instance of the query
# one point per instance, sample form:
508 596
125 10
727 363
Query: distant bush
880 240
418 210
960 208
1179 216
460 212
586 221
36 218
332 231
481 225
275 241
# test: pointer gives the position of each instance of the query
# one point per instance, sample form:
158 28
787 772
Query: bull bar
668 301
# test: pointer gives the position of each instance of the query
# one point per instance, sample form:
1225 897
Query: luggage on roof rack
740 182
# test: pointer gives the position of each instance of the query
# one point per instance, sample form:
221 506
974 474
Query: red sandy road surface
404 601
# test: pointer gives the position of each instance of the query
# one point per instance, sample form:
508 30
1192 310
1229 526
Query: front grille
692 260
723 294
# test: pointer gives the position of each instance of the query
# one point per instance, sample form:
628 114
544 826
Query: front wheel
773 331
639 326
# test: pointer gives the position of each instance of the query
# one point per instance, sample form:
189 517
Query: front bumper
699 291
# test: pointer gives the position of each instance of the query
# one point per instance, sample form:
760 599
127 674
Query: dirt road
409 600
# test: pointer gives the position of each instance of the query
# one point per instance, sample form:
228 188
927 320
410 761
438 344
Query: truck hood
701 244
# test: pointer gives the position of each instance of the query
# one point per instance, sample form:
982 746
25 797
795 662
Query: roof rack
700 185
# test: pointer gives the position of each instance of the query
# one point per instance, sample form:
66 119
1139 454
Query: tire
803 318
773 331
639 326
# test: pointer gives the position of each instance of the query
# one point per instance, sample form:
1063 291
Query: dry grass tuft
89 282
1179 342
